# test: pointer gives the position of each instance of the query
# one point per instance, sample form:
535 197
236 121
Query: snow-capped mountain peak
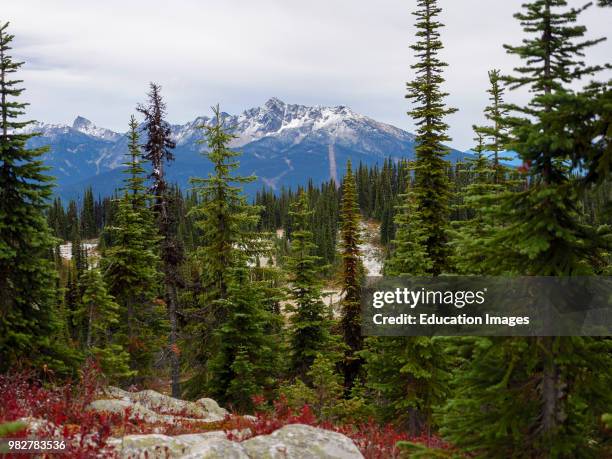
283 144
86 127
292 123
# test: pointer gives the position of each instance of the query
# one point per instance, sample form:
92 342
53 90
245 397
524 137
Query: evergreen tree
309 324
409 379
468 238
79 256
130 266
225 222
97 313
536 390
158 150
88 218
409 249
72 220
71 302
432 188
57 219
408 374
28 316
244 363
352 273
497 131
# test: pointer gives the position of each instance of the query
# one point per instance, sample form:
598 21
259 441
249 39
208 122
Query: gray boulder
298 441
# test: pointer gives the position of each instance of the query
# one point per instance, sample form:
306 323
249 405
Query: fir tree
244 362
97 313
409 374
225 222
432 188
88 218
158 150
468 237
352 273
28 319
72 220
409 249
497 131
409 377
309 325
130 266
542 233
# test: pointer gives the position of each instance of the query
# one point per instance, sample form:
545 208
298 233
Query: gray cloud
96 58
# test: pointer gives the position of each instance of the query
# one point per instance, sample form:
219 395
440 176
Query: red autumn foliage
374 441
62 409
23 395
65 414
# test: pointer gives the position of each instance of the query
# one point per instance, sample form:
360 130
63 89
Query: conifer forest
203 309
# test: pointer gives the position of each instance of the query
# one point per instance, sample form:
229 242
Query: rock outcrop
294 441
153 407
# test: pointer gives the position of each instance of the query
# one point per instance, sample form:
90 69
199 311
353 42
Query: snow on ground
66 249
371 253
90 246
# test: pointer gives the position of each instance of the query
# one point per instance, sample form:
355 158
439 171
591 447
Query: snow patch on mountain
291 122
84 126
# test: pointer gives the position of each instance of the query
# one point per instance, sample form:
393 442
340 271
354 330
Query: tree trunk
549 388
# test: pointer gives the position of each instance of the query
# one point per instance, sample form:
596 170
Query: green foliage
310 327
495 134
245 361
96 315
532 397
607 420
130 268
497 403
298 394
224 218
409 376
232 340
352 273
325 391
414 450
327 385
431 187
7 428
88 218
409 256
28 305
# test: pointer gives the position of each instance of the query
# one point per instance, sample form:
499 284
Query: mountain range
282 144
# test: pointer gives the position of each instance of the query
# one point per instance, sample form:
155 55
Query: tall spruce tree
544 395
468 257
245 360
130 266
225 221
409 249
97 315
496 132
352 274
310 328
88 218
409 375
28 319
234 346
158 150
432 188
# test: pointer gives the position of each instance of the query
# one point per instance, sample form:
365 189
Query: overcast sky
95 58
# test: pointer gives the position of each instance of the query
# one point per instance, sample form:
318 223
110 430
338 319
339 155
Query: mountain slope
282 144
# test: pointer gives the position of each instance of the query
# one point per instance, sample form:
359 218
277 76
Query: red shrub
373 440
